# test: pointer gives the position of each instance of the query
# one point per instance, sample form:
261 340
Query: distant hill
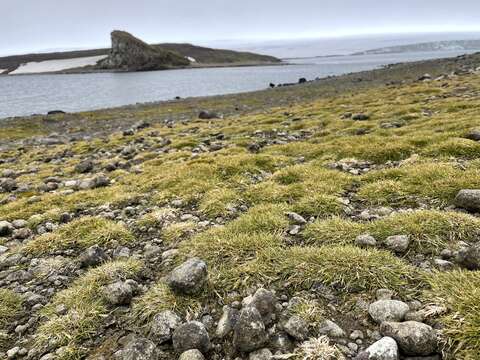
174 55
427 46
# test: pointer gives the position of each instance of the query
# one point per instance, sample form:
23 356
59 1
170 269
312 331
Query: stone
469 257
93 256
6 228
468 200
331 329
264 301
227 322
296 218
120 292
384 349
84 166
262 354
162 326
413 338
398 243
208 115
188 278
193 354
388 310
138 349
297 328
249 333
191 335
21 234
365 241
7 185
360 117
473 135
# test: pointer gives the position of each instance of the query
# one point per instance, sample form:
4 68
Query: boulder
262 354
297 328
360 117
469 257
93 256
413 338
249 333
227 322
398 243
384 349
163 325
331 329
388 310
365 241
474 135
468 200
193 354
120 292
188 278
138 349
208 115
191 335
84 166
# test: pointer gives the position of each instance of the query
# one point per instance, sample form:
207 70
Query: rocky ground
296 223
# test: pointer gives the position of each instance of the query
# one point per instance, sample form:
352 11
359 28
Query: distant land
129 53
426 46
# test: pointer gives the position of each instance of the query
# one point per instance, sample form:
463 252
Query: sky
39 25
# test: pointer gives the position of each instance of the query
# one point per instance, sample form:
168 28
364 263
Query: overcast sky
33 25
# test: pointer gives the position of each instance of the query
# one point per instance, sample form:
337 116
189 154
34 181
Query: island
128 53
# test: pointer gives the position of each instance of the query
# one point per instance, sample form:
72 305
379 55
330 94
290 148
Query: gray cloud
30 25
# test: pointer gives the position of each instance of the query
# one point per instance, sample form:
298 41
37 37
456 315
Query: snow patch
189 58
56 65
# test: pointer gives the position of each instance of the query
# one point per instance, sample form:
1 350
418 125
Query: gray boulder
84 166
264 301
388 310
188 278
365 241
120 292
193 354
227 322
297 328
331 329
468 200
262 354
138 349
413 338
162 326
473 135
384 349
398 243
249 333
93 256
469 257
191 335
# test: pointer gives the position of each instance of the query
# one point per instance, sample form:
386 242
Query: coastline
108 119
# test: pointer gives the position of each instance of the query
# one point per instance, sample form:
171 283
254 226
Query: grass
10 307
80 234
429 230
85 309
438 183
160 298
349 268
459 292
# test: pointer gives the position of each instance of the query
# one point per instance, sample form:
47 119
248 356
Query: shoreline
387 75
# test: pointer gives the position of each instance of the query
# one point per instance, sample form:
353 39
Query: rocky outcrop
131 54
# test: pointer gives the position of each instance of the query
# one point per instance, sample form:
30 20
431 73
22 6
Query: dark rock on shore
131 54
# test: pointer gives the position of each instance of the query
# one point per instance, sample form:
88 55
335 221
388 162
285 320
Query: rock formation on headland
129 53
